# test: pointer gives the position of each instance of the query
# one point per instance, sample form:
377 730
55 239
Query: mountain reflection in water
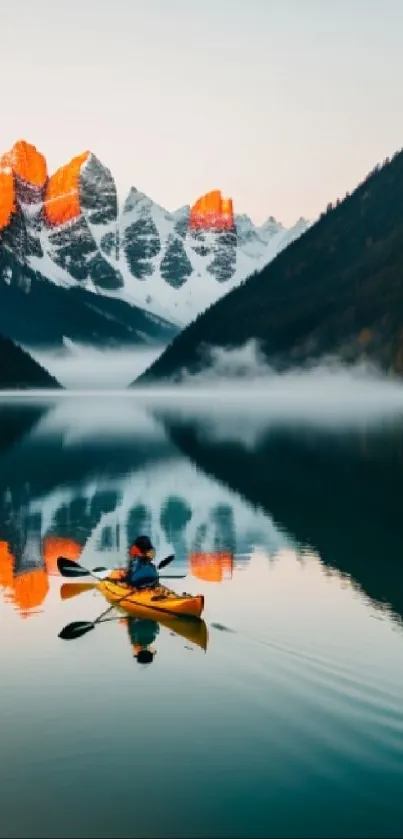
284 701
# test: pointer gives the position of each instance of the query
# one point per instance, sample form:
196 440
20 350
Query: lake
282 716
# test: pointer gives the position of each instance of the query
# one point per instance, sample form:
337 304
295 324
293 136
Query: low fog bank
248 365
241 384
87 368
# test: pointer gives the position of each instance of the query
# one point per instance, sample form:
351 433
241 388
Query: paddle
78 628
70 568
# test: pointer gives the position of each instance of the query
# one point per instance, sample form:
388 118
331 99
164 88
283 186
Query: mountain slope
336 291
18 370
40 314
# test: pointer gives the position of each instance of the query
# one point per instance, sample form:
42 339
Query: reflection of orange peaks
7 192
30 589
55 546
62 198
212 211
211 567
7 563
28 163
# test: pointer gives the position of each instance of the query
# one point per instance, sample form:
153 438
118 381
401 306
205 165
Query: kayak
193 629
157 600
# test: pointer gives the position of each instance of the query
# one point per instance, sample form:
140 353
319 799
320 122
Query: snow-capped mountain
69 229
183 270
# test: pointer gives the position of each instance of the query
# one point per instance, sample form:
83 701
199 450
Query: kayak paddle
70 568
78 628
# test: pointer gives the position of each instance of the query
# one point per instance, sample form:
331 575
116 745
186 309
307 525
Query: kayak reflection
143 633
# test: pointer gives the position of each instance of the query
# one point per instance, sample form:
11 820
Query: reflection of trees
139 520
224 528
16 422
339 493
174 518
81 516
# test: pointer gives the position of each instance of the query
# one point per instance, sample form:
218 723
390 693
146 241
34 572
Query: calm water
288 720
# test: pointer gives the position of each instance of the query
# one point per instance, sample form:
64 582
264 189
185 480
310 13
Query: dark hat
144 544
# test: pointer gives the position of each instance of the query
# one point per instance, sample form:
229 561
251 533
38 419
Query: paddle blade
68 590
75 630
69 568
166 561
99 568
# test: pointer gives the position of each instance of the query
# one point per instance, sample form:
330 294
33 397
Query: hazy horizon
282 106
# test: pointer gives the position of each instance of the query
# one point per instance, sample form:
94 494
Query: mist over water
238 383
321 397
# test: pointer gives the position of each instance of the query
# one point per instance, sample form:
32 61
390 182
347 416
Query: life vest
141 572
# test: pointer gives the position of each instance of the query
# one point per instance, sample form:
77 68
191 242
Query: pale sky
282 105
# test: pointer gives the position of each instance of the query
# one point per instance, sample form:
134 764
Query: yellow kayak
191 628
158 600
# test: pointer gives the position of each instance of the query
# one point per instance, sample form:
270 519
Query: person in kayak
141 571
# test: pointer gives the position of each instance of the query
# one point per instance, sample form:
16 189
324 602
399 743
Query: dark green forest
18 370
335 291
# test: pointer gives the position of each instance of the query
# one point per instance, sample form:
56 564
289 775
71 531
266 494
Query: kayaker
141 571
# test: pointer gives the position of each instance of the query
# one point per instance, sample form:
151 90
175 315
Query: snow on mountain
167 271
70 229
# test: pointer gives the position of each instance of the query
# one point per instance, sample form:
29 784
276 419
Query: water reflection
294 537
212 567
86 493
336 491
143 634
81 480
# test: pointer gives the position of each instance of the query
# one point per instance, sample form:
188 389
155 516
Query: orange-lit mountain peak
7 190
212 212
62 197
55 546
28 163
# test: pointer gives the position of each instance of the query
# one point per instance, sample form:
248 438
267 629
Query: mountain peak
134 198
334 296
27 163
212 212
69 227
23 172
62 199
7 194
